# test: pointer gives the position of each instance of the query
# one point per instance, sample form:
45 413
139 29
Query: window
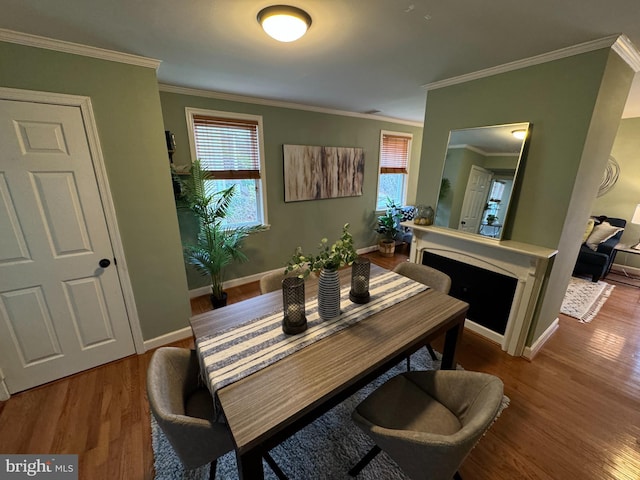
394 167
230 147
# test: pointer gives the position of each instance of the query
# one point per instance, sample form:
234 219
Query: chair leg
364 461
274 466
212 469
408 363
434 357
456 476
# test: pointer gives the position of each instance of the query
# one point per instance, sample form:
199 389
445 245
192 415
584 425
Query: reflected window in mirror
395 149
481 166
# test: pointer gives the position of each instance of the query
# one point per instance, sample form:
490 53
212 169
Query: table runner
239 351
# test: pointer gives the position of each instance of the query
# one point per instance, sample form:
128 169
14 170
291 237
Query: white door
60 311
475 198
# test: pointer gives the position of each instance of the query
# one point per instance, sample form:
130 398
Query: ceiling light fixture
283 22
519 134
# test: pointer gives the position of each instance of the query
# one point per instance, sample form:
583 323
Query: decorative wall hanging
610 176
313 173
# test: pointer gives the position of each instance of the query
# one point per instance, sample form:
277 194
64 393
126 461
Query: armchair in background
596 253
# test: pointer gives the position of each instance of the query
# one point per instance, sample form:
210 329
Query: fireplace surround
516 270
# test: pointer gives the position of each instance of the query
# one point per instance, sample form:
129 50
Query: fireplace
481 268
489 294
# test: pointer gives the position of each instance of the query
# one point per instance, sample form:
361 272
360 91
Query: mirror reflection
480 169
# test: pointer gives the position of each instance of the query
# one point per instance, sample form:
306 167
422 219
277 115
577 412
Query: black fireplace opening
489 294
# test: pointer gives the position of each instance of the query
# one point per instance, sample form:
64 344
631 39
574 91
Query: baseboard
484 331
530 352
621 269
168 338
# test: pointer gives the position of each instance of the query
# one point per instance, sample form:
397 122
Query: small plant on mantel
330 257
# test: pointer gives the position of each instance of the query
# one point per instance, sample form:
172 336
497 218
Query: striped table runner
241 350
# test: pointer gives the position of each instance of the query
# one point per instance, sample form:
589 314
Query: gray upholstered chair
273 281
184 411
436 279
428 422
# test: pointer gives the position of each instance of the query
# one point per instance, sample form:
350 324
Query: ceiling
359 55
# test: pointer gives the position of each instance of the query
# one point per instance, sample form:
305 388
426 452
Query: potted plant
491 218
217 245
388 229
326 263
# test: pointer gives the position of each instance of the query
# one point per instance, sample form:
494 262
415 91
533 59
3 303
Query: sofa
597 250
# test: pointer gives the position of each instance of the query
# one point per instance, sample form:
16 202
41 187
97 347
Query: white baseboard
168 338
530 352
484 331
616 267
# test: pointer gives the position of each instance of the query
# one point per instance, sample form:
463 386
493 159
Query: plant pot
387 248
219 302
328 294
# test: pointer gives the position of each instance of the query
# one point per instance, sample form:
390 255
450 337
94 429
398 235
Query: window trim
262 181
406 178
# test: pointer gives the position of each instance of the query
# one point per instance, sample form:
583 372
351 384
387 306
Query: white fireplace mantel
526 263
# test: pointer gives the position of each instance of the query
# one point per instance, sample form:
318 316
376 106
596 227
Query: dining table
266 407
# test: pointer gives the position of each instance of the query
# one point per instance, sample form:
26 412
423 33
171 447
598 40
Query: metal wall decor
610 176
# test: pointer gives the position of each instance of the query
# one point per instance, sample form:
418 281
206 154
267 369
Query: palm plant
217 244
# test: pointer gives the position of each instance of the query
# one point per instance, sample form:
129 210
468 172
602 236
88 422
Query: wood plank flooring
574 413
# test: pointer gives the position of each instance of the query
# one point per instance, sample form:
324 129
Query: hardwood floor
574 413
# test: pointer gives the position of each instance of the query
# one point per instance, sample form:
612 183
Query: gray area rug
324 450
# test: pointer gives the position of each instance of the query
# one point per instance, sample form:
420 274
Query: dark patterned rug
324 450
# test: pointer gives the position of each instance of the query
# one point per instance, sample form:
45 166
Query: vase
360 273
328 294
294 320
218 302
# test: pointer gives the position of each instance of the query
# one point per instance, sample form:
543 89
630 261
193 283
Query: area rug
584 299
324 450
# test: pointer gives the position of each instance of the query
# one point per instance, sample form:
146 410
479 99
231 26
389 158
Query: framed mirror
480 169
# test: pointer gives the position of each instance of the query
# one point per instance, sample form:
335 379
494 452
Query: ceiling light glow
284 23
519 134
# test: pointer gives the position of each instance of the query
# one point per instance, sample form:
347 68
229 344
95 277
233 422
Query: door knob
104 263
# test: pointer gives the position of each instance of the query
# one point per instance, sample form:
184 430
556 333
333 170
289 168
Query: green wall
127 109
574 105
295 223
622 199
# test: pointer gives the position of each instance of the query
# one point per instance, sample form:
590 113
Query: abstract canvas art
313 173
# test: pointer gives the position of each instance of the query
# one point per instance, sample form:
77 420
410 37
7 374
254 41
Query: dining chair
435 279
184 410
429 421
273 281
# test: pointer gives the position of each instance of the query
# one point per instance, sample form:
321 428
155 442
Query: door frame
97 159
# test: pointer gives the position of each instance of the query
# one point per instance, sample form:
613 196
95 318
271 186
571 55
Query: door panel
60 312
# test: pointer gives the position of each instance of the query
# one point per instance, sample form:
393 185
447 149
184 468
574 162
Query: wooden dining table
268 406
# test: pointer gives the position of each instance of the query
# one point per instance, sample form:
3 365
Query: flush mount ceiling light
283 22
519 134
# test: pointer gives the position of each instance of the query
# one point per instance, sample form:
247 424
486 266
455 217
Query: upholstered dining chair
273 281
184 410
429 421
435 279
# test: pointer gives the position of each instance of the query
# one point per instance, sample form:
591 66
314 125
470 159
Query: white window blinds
227 147
394 156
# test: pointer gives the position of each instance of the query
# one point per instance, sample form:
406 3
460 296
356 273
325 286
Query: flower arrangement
330 257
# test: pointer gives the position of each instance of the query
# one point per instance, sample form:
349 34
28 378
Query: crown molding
76 49
282 104
605 42
628 52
